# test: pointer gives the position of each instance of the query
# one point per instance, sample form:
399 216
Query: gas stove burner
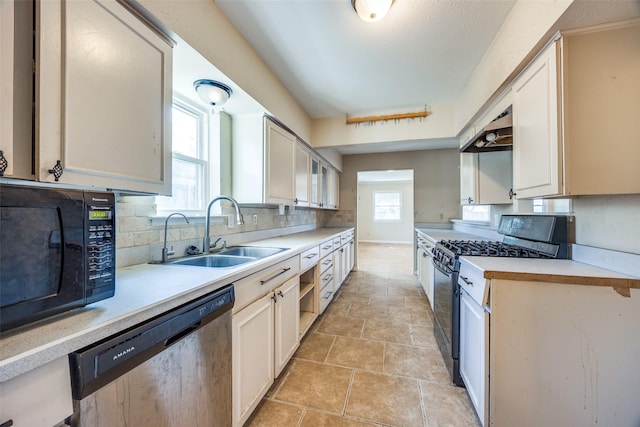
490 248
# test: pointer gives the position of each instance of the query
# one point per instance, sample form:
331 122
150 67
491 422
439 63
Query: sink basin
251 251
216 261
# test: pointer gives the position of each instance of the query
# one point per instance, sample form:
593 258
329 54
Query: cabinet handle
327 262
311 256
284 270
328 295
7 423
4 164
511 194
470 200
57 171
281 294
327 277
326 247
466 280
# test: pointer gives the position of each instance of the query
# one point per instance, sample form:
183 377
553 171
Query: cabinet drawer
325 279
326 263
326 248
309 258
326 295
255 286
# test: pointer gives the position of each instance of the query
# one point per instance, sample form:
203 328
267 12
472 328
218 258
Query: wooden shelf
306 320
305 288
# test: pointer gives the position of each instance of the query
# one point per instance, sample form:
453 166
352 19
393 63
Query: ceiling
422 53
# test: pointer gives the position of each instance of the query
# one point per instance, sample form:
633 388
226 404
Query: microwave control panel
100 248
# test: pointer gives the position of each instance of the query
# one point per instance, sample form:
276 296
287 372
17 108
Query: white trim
395 242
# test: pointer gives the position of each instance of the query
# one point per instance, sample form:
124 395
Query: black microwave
57 251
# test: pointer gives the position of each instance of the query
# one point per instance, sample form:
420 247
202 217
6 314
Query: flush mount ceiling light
212 92
371 10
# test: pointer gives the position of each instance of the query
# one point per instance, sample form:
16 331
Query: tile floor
371 358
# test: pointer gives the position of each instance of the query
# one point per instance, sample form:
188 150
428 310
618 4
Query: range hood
496 136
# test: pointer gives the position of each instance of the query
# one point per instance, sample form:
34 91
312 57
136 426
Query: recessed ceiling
422 53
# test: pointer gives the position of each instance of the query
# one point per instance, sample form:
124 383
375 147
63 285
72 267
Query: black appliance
525 236
57 251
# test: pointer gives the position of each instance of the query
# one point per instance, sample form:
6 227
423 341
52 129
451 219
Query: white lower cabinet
41 397
473 363
265 333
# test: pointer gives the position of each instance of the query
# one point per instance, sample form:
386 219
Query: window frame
203 160
375 206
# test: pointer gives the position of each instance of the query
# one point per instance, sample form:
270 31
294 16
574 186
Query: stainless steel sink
251 251
215 261
229 257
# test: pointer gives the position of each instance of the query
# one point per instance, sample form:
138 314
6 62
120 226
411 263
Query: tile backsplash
140 232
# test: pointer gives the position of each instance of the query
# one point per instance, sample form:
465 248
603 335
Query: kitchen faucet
206 245
166 252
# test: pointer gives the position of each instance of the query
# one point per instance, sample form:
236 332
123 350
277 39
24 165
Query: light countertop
437 234
553 271
142 292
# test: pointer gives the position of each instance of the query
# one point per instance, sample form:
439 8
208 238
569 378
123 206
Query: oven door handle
444 270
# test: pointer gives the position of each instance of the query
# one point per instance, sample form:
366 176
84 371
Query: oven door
41 253
447 318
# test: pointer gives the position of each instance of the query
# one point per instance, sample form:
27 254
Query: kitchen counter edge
165 287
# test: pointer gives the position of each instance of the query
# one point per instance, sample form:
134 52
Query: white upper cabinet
103 91
303 175
575 116
263 157
315 189
537 157
333 197
16 88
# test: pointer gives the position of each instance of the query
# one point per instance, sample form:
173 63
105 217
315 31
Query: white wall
372 231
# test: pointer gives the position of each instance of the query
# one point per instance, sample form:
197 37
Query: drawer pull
311 256
327 262
327 277
7 423
284 270
466 280
327 247
328 295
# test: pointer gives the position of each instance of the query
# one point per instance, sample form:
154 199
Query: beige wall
371 231
202 24
436 178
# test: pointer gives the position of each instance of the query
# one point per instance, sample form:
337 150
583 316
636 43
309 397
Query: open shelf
306 320
305 288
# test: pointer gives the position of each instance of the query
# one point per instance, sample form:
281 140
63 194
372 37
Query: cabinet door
472 351
430 280
315 185
303 175
337 269
536 145
279 185
104 97
495 177
468 178
334 189
16 88
253 351
352 254
324 186
287 322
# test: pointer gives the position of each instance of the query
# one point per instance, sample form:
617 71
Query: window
190 159
476 213
387 206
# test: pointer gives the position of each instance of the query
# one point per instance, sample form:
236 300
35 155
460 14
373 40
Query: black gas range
524 236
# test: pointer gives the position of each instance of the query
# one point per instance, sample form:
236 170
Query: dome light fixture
371 10
212 92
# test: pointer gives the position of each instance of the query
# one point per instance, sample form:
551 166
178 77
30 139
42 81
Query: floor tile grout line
346 399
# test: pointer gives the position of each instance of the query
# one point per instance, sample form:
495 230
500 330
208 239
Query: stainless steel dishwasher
172 370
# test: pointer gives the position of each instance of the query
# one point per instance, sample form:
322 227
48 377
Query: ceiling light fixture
371 10
212 92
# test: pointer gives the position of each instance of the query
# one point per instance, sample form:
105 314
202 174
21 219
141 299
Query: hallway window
387 206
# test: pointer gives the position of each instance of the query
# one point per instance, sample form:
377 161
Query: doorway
385 207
